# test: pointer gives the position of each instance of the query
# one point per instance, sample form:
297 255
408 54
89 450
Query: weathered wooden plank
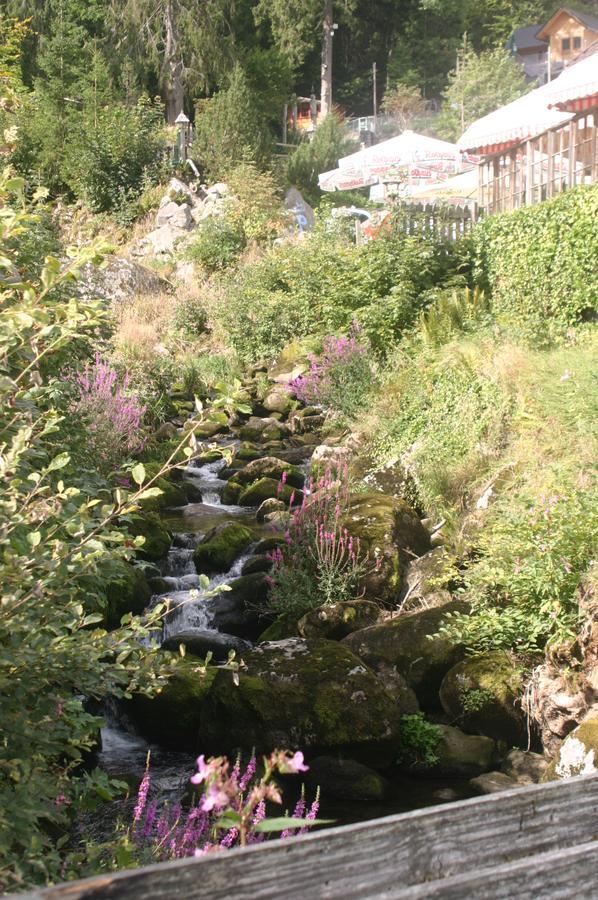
371 859
570 874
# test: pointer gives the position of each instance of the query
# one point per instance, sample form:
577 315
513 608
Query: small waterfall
206 479
189 608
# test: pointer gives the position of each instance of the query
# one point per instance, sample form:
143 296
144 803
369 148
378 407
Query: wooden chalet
540 144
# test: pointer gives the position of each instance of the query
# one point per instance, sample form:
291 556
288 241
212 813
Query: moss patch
221 546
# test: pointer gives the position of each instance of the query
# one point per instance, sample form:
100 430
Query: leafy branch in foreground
61 542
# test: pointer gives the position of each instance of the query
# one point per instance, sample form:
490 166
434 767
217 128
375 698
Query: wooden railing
534 842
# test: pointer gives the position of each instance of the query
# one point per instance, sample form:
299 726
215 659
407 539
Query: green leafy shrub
340 378
446 415
59 548
320 285
216 244
419 741
539 264
229 130
523 589
190 316
453 313
318 155
115 155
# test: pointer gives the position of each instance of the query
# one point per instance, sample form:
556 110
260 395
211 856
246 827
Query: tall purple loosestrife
319 562
111 412
340 376
227 814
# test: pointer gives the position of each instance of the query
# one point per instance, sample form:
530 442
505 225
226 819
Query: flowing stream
124 753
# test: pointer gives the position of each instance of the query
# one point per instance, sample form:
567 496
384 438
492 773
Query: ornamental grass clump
340 377
320 562
230 812
111 413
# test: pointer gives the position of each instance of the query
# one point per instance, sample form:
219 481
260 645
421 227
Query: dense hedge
540 263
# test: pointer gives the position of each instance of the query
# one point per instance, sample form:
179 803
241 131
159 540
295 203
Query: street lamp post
182 123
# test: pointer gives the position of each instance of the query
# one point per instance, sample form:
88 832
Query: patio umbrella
409 155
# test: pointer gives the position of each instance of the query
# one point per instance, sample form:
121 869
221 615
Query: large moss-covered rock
255 564
200 641
390 531
410 644
345 779
172 494
271 467
281 628
578 754
463 755
483 695
130 593
231 492
336 620
243 610
259 430
221 546
297 693
172 717
267 488
278 400
157 537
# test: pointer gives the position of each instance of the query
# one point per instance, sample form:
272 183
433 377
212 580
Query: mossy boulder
271 467
130 593
254 430
483 694
172 717
266 509
193 493
298 693
209 456
278 400
172 494
243 610
248 454
231 492
578 753
221 546
268 544
463 755
345 779
336 620
200 641
209 430
410 644
257 564
390 531
266 489
281 628
157 538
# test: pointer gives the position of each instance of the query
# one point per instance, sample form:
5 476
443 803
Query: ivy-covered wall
540 263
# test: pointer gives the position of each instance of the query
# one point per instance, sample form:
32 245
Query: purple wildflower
142 796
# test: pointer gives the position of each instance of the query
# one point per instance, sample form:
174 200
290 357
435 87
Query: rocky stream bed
338 682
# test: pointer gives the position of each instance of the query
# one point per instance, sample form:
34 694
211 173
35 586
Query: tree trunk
173 69
326 77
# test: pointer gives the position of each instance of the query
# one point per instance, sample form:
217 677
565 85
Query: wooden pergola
541 144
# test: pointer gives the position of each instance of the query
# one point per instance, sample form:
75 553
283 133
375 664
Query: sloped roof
525 39
517 121
583 18
576 88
